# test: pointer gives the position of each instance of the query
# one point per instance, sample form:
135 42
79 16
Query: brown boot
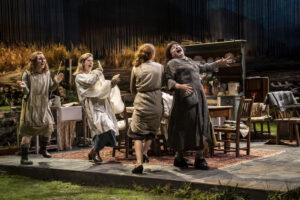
24 155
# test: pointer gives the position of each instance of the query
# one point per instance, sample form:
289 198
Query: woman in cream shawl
93 93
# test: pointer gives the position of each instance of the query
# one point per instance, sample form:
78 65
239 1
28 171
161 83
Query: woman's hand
185 87
21 84
115 80
58 78
224 62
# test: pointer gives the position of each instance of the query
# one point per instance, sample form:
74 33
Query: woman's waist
149 90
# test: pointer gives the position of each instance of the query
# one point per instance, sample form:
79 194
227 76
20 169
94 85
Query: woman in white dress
93 93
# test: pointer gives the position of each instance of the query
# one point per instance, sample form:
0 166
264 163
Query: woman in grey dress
145 84
188 127
36 117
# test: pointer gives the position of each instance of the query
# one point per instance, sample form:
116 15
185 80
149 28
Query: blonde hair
143 54
32 66
81 60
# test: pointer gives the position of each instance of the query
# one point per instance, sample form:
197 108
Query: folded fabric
244 129
122 124
167 101
280 99
258 110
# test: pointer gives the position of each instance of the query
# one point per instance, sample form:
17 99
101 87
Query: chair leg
291 131
126 146
297 134
237 145
248 143
114 152
262 127
278 133
254 129
269 129
212 151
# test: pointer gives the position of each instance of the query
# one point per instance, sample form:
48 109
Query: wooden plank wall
271 27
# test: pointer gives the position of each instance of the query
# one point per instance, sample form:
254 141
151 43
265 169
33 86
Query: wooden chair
286 115
243 115
260 115
123 141
214 101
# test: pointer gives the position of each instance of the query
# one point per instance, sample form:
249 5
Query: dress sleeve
170 76
88 81
52 85
133 82
208 67
25 79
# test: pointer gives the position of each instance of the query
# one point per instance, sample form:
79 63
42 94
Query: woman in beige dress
36 117
93 93
145 84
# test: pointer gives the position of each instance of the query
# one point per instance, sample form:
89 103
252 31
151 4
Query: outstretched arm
210 67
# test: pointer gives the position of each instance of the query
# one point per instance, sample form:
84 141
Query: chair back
259 110
213 101
282 102
244 111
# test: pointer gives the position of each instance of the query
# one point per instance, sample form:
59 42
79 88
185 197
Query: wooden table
220 111
67 114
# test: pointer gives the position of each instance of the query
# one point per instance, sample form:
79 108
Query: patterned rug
220 160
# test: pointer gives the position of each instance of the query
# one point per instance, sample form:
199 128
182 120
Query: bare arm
132 83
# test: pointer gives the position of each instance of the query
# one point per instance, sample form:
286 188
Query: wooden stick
59 68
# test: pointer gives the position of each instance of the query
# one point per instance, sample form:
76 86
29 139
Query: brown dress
146 81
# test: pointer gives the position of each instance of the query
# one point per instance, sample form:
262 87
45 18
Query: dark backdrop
271 27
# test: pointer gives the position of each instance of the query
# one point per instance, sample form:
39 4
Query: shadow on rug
220 160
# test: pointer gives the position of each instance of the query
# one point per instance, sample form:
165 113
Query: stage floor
277 172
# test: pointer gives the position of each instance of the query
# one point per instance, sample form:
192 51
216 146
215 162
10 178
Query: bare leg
138 146
147 147
26 140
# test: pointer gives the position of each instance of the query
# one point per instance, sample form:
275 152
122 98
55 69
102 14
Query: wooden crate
258 87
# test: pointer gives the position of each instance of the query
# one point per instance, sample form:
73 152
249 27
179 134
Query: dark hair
168 53
143 54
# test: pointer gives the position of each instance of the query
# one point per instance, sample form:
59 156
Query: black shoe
145 159
201 164
97 158
43 149
180 162
44 153
138 170
24 156
26 162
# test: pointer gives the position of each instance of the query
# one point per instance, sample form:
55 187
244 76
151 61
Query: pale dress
36 117
93 93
